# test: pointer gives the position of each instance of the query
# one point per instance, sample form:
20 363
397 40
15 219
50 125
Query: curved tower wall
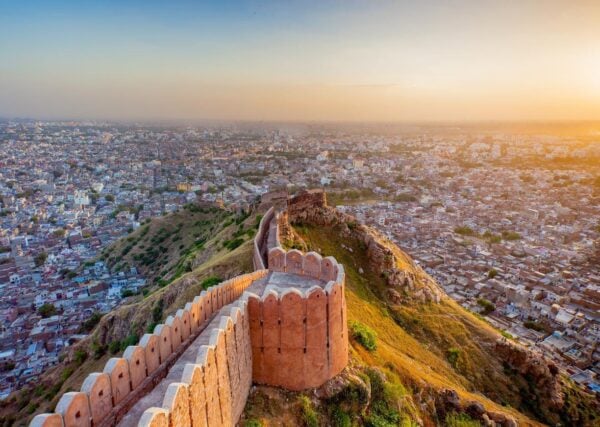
300 338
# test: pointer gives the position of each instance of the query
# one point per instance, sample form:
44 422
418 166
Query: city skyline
465 61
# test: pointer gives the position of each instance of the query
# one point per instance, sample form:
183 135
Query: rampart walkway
285 326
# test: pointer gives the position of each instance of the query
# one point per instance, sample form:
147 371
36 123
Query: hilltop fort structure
282 325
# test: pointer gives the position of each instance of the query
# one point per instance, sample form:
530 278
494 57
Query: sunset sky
287 60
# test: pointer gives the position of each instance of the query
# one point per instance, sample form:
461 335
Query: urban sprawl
507 223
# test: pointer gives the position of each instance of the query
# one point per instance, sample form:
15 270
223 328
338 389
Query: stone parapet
299 339
213 391
106 396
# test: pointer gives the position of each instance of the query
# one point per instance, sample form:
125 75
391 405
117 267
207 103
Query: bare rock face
448 401
501 419
395 297
475 410
544 373
411 281
311 207
346 381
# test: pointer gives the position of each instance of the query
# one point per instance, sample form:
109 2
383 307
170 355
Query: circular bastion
298 327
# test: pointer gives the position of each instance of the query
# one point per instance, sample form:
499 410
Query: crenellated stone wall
299 339
293 335
104 397
213 391
260 243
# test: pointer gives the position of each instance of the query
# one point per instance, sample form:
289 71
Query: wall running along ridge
259 253
292 338
105 397
213 391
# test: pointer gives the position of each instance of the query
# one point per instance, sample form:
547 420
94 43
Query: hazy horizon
350 62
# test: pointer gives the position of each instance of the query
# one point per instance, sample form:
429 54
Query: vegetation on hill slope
167 247
412 362
215 259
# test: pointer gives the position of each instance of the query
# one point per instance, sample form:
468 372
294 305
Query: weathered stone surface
98 388
206 358
184 318
177 403
312 264
118 370
134 354
293 340
543 373
217 339
328 269
174 323
154 417
294 262
475 409
75 409
47 420
271 340
337 358
502 419
163 332
193 375
277 260
316 366
151 345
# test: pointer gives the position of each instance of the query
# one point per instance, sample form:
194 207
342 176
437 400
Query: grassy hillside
167 247
213 243
415 363
424 352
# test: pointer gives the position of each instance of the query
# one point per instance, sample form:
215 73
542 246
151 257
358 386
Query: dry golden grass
417 352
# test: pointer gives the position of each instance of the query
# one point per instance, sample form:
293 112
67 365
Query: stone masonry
283 325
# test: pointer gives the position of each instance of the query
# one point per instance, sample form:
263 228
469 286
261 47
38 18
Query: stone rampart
106 396
260 240
293 336
310 264
213 391
299 339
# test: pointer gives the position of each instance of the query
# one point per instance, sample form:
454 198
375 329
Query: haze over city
296 61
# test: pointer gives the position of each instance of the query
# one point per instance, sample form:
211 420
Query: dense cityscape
505 221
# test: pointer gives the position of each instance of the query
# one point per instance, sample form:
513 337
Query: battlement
299 339
284 326
105 397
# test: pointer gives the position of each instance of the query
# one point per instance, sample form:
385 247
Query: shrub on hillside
487 306
453 355
364 335
210 281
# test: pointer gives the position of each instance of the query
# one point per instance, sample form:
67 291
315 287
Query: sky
367 61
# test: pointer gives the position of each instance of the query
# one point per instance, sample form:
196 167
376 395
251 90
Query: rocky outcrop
448 402
542 373
406 280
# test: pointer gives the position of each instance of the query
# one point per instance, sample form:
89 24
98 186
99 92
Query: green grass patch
364 335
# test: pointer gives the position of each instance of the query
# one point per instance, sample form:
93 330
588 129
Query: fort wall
293 336
258 255
296 342
105 397
213 391
299 337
